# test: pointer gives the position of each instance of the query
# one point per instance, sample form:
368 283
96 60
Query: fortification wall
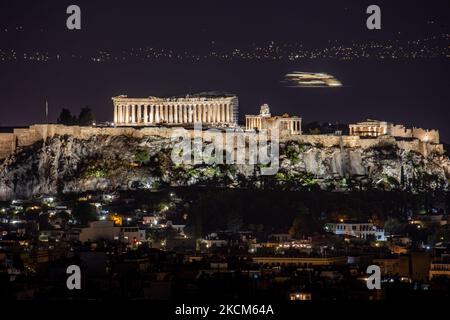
431 136
426 135
7 144
25 137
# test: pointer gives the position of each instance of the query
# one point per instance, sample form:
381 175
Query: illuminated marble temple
375 128
265 121
208 109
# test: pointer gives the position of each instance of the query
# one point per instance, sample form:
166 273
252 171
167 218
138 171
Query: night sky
412 91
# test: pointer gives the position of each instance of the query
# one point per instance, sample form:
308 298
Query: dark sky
410 91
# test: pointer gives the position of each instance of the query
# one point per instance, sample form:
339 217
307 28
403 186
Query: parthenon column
209 114
139 113
216 113
133 114
221 117
166 113
161 113
136 113
183 114
157 114
126 114
226 113
150 117
170 114
175 115
145 113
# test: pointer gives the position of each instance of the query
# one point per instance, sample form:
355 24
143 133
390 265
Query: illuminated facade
370 128
374 128
359 230
264 121
439 269
208 109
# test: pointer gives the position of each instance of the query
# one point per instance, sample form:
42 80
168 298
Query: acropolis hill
51 159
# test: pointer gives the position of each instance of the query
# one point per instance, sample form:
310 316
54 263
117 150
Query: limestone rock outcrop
65 164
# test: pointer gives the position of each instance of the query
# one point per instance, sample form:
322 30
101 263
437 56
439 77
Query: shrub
141 156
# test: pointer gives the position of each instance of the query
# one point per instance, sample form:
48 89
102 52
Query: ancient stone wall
7 144
25 137
431 136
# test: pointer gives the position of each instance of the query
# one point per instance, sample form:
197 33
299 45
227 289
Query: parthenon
209 109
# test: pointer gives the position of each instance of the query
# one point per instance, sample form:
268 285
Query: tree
84 212
392 226
66 117
442 234
86 117
315 131
141 156
234 221
304 224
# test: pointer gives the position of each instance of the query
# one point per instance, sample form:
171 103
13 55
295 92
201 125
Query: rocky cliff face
65 164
